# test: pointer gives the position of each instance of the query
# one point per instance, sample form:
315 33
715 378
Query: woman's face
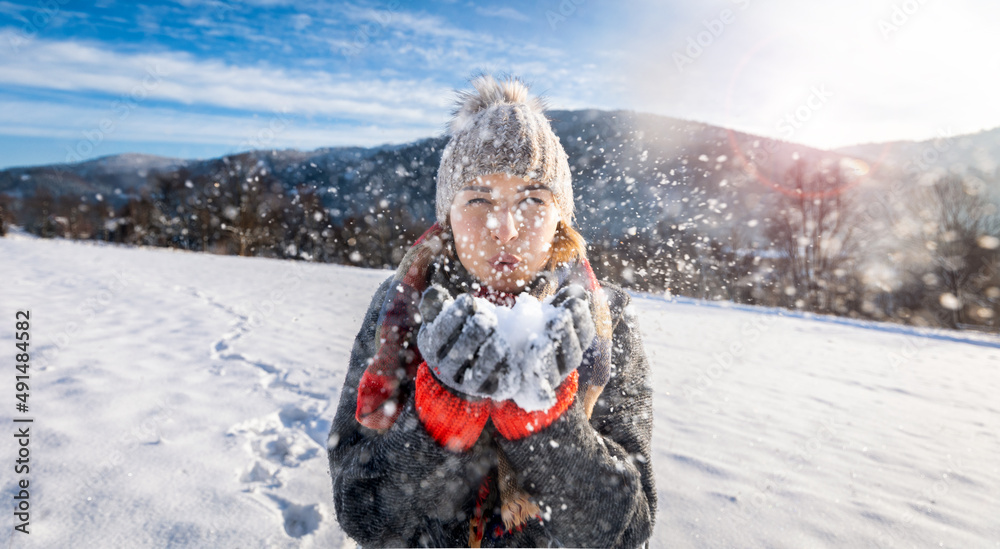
503 228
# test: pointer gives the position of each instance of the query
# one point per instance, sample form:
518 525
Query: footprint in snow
300 520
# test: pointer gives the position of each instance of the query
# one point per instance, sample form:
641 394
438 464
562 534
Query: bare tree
737 263
142 221
250 209
4 207
960 228
815 227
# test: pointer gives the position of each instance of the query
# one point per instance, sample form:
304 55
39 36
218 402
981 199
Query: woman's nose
506 229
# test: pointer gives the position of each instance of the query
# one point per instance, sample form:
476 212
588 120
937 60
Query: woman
429 446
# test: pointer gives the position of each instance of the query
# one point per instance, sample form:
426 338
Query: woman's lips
505 262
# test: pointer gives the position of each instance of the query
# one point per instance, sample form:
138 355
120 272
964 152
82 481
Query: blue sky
198 79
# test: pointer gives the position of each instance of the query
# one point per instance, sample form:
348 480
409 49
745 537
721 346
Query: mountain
980 151
664 205
122 174
632 171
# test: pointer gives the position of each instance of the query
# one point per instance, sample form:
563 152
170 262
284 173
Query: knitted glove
558 350
462 359
454 421
459 342
514 422
573 330
558 353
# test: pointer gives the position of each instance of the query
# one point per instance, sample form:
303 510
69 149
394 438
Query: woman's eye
533 201
477 201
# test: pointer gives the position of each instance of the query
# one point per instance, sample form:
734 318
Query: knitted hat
499 128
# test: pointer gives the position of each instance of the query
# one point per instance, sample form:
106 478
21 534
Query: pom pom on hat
500 128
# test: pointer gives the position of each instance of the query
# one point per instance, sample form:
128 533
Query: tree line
944 253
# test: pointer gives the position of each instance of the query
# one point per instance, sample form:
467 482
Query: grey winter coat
592 480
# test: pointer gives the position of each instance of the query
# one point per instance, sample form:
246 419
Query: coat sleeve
593 480
379 480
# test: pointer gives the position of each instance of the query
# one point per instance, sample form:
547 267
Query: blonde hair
568 246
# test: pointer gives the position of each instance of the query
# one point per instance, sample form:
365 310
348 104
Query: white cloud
439 33
505 12
89 126
180 78
300 21
418 23
8 8
377 106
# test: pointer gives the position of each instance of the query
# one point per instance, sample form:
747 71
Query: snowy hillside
183 399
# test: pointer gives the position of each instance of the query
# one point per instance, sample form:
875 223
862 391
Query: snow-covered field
183 399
